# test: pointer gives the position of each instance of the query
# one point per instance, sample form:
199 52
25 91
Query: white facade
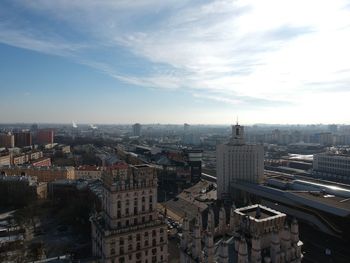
332 165
129 231
237 161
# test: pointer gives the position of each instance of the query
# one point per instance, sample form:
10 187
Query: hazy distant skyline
175 61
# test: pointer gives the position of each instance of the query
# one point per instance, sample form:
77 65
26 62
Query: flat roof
258 212
331 200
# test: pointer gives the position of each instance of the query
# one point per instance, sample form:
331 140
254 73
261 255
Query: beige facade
88 172
44 174
128 229
5 160
26 157
237 161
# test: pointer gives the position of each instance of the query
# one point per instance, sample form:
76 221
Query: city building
253 234
45 136
7 140
129 229
43 173
26 157
20 190
194 158
88 172
332 166
23 138
136 128
43 161
5 159
324 205
238 161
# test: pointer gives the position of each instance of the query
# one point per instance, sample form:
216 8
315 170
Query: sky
175 61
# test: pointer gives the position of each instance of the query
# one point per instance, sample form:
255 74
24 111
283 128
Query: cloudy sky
175 61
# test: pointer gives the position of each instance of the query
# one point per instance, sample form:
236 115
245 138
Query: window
122 260
146 243
118 204
121 241
146 234
112 251
130 237
154 233
154 242
154 251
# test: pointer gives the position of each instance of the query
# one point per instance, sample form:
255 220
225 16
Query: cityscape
174 132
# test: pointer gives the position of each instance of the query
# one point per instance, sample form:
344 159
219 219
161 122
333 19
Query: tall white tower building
237 161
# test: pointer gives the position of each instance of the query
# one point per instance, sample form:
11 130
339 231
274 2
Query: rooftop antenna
237 120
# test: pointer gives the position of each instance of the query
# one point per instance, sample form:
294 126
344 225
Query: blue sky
175 61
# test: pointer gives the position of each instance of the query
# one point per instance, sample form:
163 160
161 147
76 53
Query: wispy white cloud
39 42
243 53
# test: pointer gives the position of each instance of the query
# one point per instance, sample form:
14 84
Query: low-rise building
44 161
5 159
26 157
332 166
44 174
88 172
20 190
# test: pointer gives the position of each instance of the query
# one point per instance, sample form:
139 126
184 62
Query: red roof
118 166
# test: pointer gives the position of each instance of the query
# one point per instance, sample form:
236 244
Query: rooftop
259 212
89 168
330 200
